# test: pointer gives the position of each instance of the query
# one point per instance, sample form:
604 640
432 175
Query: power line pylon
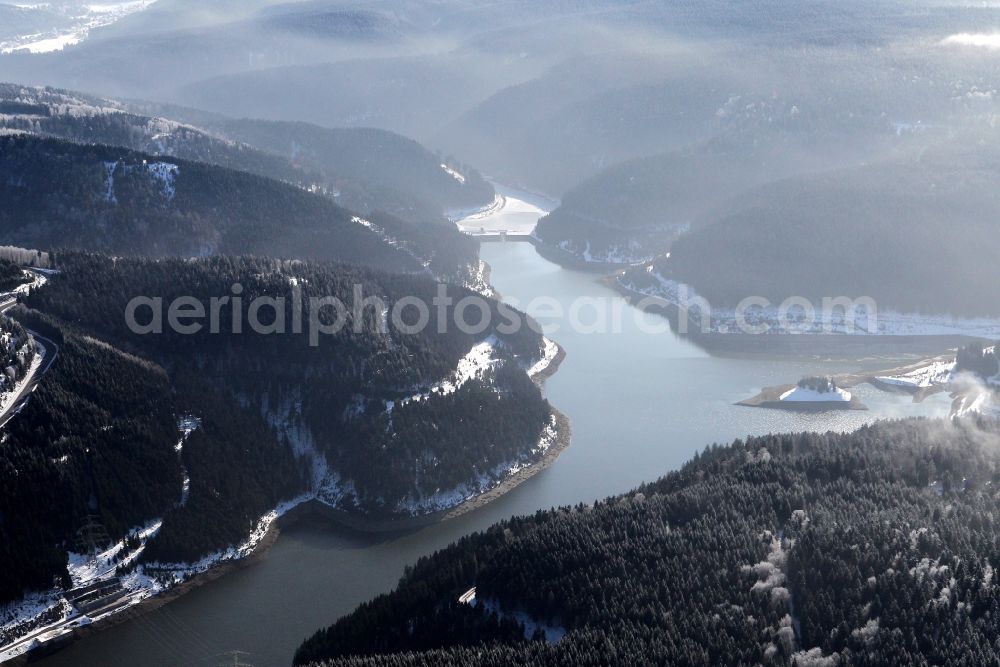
91 538
236 661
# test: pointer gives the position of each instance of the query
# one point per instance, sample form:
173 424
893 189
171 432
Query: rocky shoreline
402 524
367 524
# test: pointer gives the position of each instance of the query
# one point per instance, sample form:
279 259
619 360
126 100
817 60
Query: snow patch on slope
454 174
391 240
165 173
481 357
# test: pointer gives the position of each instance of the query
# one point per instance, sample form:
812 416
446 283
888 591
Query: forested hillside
18 350
366 170
916 234
97 437
116 200
373 421
86 119
870 548
635 210
371 169
97 441
979 359
391 420
11 275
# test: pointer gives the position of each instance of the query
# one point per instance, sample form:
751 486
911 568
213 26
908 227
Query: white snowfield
165 172
886 322
513 211
932 375
474 364
806 394
481 357
83 19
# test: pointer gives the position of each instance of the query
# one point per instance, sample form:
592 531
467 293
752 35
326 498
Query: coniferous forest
365 169
870 548
266 402
261 266
119 201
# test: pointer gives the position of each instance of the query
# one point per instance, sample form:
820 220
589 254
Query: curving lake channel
640 404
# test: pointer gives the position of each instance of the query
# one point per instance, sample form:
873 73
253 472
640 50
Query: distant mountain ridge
916 235
125 202
366 169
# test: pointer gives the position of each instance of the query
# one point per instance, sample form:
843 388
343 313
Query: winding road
51 351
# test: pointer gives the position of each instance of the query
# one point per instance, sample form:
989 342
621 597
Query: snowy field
513 211
932 375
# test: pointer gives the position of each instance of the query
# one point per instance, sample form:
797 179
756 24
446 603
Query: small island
812 394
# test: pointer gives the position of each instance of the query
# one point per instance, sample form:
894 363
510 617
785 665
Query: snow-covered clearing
932 375
473 365
481 357
479 281
187 425
807 394
165 172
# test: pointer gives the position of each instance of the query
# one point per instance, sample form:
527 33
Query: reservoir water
640 405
